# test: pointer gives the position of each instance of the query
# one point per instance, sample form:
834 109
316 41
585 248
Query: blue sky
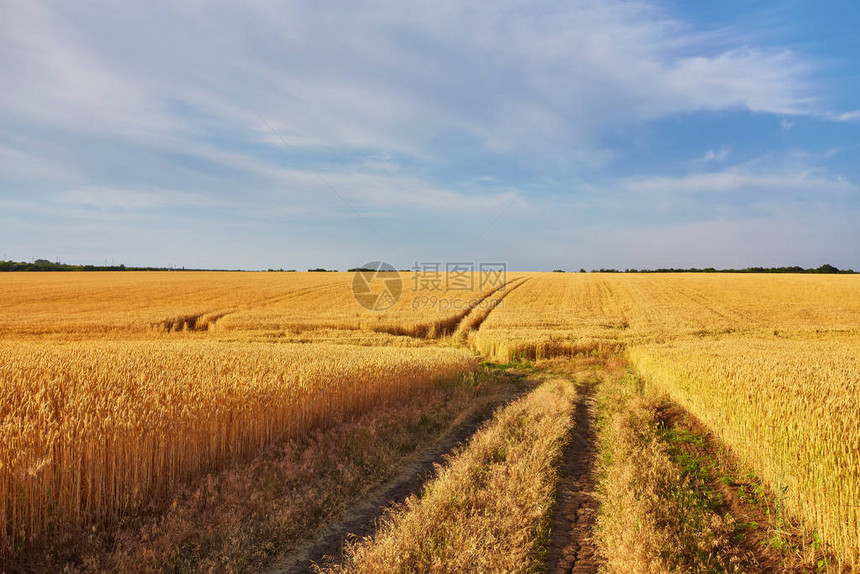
606 133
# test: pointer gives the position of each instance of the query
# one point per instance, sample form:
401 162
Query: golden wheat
789 410
552 315
562 313
768 361
286 305
120 303
89 431
115 386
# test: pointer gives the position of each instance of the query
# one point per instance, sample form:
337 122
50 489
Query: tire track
473 320
571 546
361 520
440 327
191 322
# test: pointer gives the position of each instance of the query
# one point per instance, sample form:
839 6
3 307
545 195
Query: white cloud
412 192
717 156
131 199
377 184
379 76
738 181
785 126
852 116
395 191
56 75
127 107
430 82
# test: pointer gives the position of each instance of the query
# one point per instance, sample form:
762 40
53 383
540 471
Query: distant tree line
825 269
45 265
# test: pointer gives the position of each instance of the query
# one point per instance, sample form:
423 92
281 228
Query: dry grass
489 508
652 518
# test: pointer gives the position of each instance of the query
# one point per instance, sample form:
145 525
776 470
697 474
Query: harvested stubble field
121 389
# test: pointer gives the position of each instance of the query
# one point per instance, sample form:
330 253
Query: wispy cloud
740 181
422 114
135 199
852 116
716 155
380 81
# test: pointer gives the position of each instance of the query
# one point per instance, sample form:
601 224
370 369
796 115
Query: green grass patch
515 364
674 435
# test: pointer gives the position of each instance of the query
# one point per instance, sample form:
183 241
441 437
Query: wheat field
789 408
122 304
91 430
769 362
115 387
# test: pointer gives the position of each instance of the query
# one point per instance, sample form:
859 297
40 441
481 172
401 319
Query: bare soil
571 546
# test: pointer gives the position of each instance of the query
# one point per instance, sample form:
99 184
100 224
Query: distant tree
827 268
